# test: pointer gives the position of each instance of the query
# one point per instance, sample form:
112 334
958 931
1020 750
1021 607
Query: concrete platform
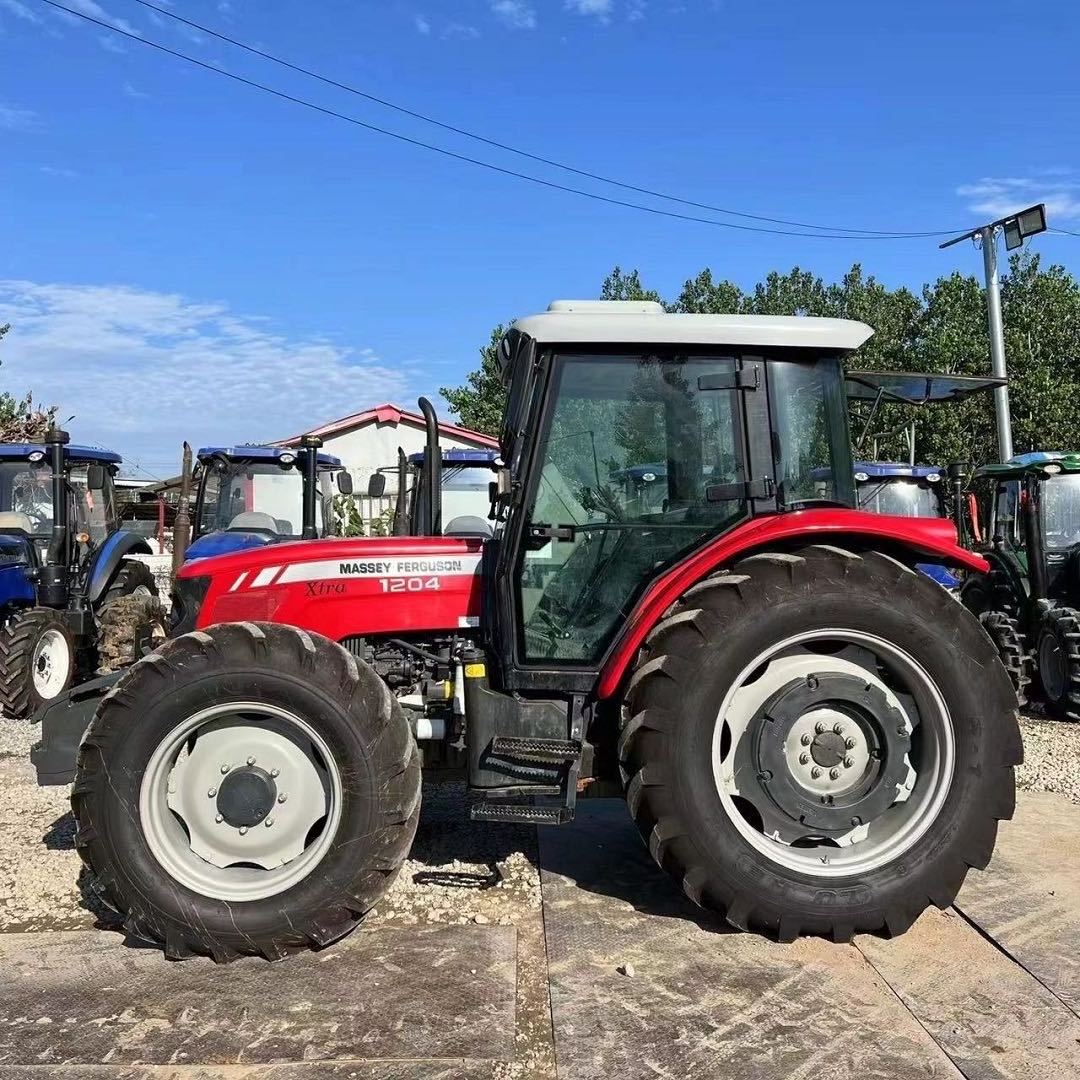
704 1002
82 998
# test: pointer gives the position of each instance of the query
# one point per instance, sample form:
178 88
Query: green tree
20 419
479 403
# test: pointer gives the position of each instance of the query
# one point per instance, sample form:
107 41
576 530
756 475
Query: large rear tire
249 789
727 747
131 577
37 661
1057 655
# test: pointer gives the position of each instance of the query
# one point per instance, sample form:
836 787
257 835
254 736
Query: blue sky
185 256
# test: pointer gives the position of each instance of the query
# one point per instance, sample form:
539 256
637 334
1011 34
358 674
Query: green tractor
1029 603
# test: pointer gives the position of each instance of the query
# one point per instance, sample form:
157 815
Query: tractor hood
341 588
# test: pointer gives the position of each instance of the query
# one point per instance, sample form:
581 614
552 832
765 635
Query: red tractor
812 737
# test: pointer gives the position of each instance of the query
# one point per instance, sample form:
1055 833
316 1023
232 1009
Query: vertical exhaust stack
309 449
182 521
432 471
53 577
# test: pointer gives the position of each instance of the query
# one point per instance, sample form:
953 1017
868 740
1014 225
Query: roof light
37 455
286 458
933 477
861 476
1051 470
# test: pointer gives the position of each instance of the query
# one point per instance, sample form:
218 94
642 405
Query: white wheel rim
929 766
50 664
180 806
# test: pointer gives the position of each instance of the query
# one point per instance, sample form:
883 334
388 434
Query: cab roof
1032 463
647 323
261 453
91 454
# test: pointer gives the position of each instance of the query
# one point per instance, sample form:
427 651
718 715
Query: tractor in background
1025 521
73 600
812 737
252 496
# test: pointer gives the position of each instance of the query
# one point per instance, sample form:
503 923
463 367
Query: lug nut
224 769
269 821
806 740
834 773
856 820
275 772
820 728
282 797
211 793
838 728
243 829
812 682
219 819
251 761
815 772
848 762
849 743
804 759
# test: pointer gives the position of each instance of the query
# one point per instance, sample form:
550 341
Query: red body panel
927 536
343 588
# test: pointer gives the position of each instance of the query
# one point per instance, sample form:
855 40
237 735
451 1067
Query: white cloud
997 196
142 371
461 31
95 11
421 24
133 92
58 171
19 10
600 9
517 14
14 118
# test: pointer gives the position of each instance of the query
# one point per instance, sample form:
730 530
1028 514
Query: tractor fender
925 539
106 560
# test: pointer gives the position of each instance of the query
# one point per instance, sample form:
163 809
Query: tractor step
521 813
549 751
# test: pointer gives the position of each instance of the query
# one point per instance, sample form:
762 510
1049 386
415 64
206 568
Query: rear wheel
1057 653
250 789
125 623
37 661
819 742
132 577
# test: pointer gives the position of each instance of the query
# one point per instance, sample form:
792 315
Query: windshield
1059 499
258 497
900 496
26 490
465 491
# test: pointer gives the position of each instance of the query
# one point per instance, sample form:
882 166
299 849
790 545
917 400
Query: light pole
1017 229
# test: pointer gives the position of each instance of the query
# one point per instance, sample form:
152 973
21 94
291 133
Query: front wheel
250 789
37 661
1057 654
819 742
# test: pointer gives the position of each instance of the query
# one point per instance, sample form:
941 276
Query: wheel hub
246 796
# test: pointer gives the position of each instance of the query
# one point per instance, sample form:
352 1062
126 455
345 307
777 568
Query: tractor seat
468 525
252 519
12 519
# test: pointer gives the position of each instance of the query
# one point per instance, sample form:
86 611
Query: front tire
249 789
131 578
37 661
755 670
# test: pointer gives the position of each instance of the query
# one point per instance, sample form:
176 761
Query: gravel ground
1051 756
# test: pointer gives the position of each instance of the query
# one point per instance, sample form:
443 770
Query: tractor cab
251 496
1025 517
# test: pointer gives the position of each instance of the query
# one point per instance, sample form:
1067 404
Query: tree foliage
20 419
940 328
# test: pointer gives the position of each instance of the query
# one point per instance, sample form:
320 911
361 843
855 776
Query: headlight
37 456
286 458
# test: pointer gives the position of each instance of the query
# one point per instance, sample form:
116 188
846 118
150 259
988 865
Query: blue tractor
72 600
465 485
250 496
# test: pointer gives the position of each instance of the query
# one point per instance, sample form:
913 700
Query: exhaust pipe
432 526
309 445
401 504
53 578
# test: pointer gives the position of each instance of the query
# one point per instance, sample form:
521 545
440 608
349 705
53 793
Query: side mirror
344 483
95 477
376 485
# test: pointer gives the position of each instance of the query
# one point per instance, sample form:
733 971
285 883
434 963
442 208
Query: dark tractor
251 496
72 600
1025 520
812 737
465 483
